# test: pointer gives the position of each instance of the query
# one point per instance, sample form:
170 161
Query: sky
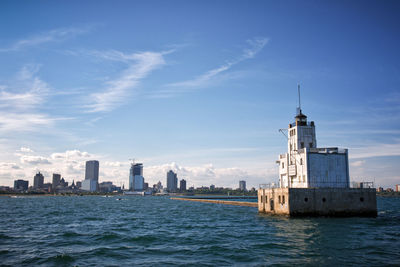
199 87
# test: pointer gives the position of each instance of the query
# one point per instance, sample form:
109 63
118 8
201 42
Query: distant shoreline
380 194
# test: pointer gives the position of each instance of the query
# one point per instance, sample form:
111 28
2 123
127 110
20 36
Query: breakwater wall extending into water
226 202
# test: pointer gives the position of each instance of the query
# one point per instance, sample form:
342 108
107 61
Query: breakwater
216 201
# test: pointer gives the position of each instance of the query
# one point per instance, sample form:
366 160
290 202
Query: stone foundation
318 201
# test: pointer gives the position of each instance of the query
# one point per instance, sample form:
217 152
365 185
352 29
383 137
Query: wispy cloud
375 150
21 101
55 35
28 91
140 65
255 46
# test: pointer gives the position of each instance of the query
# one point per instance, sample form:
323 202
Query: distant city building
172 181
92 170
47 187
397 187
21 185
157 187
78 184
182 185
138 184
212 187
63 183
242 185
136 180
56 180
108 187
145 186
38 181
89 185
91 182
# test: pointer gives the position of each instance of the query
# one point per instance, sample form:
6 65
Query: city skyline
202 95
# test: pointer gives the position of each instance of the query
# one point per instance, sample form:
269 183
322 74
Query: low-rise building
21 185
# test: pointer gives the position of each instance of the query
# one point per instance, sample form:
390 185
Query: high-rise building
56 180
182 185
91 182
172 181
38 180
92 170
242 185
21 185
136 180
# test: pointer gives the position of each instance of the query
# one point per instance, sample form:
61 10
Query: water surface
95 230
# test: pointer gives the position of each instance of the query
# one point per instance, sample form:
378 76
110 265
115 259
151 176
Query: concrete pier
318 201
225 202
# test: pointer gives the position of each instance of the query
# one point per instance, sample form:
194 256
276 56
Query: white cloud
25 150
140 65
55 35
116 164
70 155
19 104
375 150
22 122
207 174
256 45
34 160
8 166
27 91
357 163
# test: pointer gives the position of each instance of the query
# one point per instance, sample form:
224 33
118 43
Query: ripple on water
97 231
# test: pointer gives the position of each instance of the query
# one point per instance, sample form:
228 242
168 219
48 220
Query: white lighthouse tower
314 181
305 165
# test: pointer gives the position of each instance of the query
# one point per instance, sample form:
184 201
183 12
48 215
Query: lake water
95 230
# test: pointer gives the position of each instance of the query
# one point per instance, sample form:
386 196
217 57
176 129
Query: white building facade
305 165
89 185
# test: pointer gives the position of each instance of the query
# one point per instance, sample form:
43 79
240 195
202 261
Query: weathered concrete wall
318 201
327 170
332 201
274 201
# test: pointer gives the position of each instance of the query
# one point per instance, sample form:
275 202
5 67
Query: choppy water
95 230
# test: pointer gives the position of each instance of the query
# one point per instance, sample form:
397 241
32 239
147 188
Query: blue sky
200 87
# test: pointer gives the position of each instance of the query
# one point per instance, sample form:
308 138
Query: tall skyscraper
38 180
172 181
91 182
242 185
56 180
182 185
136 180
92 170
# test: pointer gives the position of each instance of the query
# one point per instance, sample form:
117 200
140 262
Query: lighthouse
307 166
312 180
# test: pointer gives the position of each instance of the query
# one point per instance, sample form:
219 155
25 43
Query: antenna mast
298 90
